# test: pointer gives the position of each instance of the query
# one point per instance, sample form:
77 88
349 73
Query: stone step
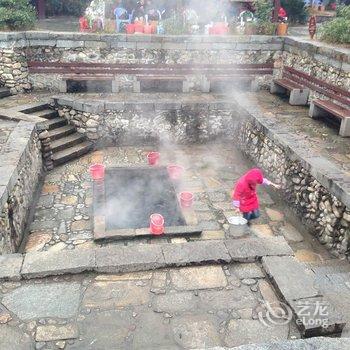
33 107
56 123
66 142
46 113
4 92
71 153
61 132
316 313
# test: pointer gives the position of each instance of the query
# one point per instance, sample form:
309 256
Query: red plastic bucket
156 224
186 199
139 27
130 28
175 171
147 29
153 158
97 171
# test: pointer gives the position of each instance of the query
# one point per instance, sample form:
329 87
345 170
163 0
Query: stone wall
21 168
14 70
313 187
119 48
118 123
330 64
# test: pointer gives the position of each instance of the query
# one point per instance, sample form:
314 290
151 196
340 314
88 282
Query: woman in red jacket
244 196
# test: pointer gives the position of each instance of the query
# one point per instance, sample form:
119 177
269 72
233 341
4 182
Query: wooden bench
336 101
323 108
160 72
64 84
292 85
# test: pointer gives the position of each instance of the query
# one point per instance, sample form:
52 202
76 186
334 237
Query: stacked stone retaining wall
21 168
119 48
16 49
116 123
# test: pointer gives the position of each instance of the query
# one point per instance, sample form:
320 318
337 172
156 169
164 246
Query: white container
237 220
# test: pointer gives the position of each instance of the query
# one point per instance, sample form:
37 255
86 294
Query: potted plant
282 28
267 28
250 28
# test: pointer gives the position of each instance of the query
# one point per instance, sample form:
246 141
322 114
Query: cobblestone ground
62 218
184 308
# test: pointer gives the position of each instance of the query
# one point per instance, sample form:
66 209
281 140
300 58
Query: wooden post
40 5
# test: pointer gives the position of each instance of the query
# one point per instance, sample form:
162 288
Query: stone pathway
183 308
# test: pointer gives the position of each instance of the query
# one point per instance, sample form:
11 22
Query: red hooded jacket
245 190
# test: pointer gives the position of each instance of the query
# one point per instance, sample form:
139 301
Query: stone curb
98 106
140 257
338 57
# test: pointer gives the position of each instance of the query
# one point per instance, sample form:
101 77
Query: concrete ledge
98 106
142 257
179 254
57 263
252 249
129 259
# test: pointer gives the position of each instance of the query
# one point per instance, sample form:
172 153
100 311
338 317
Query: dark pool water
133 194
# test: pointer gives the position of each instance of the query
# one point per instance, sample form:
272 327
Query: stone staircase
65 142
4 92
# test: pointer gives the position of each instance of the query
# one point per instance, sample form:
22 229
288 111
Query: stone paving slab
196 252
44 300
292 279
57 263
127 259
14 339
253 331
54 332
315 313
250 249
319 343
10 266
317 316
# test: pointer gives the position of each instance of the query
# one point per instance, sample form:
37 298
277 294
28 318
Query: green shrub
296 10
338 29
267 28
343 11
66 7
263 10
174 25
16 14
